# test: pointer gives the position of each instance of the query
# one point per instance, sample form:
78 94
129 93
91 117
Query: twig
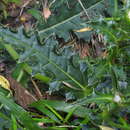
45 3
69 85
67 126
83 8
23 6
52 3
38 92
26 3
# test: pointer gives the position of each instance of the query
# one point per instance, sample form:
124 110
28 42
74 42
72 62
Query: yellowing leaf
105 127
4 82
84 29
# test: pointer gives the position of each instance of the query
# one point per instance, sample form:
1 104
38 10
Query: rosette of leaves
44 58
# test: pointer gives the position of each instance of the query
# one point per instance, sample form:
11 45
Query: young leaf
11 51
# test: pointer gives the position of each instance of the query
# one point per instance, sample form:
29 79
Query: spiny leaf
44 59
73 22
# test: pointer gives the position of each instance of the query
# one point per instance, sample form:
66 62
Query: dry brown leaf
94 48
104 54
84 51
37 91
22 96
46 13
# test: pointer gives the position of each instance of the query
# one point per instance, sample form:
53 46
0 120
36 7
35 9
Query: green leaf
44 120
41 107
16 1
11 51
44 59
103 98
35 13
21 72
56 113
114 79
2 115
61 24
19 113
14 123
42 78
64 107
69 115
